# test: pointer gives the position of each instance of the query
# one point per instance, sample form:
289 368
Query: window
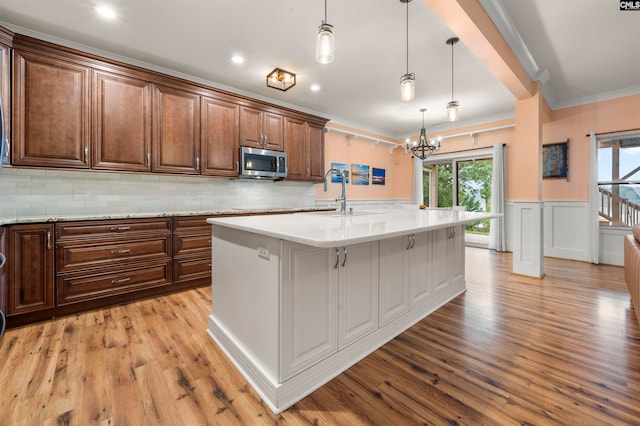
619 181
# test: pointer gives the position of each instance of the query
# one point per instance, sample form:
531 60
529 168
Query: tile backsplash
31 192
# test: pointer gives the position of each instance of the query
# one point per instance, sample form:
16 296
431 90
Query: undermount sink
335 213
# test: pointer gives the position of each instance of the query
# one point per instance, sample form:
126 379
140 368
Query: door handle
337 258
344 261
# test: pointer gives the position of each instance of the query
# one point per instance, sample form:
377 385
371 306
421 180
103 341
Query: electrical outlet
263 252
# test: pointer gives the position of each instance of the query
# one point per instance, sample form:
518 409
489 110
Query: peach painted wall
571 123
398 166
574 123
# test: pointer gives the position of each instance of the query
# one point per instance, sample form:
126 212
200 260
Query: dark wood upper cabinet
73 109
51 112
176 131
6 37
304 144
121 122
314 151
294 132
219 137
31 268
261 129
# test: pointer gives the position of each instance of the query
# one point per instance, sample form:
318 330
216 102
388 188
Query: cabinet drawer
191 243
82 286
186 222
110 228
192 269
83 255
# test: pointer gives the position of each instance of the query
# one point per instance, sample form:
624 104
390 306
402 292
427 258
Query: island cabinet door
309 308
358 291
420 264
393 279
447 255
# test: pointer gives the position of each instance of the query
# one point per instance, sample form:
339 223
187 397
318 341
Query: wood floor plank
562 350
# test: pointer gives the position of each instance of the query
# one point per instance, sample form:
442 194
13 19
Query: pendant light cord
452 71
325 11
407 37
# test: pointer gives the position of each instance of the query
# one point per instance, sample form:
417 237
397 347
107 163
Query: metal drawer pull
48 240
413 240
117 252
344 261
337 258
120 280
120 228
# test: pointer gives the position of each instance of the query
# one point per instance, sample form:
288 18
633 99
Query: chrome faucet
343 197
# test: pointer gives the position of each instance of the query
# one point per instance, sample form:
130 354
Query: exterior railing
618 211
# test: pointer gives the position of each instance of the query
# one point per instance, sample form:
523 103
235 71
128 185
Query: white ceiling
587 48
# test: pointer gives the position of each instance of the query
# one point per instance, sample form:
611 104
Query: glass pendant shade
407 87
452 110
325 44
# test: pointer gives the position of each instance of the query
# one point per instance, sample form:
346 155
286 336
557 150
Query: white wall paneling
528 256
566 225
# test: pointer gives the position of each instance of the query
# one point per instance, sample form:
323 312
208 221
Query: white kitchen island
299 298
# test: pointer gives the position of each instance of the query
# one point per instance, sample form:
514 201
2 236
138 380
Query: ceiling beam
468 20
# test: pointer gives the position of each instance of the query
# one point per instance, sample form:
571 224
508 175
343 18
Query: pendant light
324 41
423 148
407 81
452 107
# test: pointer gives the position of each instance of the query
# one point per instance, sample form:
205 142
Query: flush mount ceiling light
324 41
423 148
407 81
281 79
452 107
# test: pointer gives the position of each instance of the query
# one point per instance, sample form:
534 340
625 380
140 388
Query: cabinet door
358 292
3 268
30 278
5 98
51 112
455 254
393 280
309 301
314 152
219 137
273 130
438 257
176 131
419 265
294 138
251 127
121 122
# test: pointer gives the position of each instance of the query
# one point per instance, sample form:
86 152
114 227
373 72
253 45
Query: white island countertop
330 229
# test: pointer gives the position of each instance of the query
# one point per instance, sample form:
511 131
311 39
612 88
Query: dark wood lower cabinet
30 268
63 268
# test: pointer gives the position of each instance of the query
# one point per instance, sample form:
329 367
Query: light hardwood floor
512 350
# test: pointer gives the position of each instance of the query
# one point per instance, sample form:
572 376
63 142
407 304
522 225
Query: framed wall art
555 160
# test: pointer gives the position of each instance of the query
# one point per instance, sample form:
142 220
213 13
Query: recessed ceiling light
315 87
237 59
106 12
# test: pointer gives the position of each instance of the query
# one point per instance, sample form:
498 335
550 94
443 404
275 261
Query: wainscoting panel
566 233
528 256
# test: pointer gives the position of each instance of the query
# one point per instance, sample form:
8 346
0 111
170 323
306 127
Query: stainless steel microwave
260 163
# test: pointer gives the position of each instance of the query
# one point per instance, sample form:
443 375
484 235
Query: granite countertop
331 229
141 215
